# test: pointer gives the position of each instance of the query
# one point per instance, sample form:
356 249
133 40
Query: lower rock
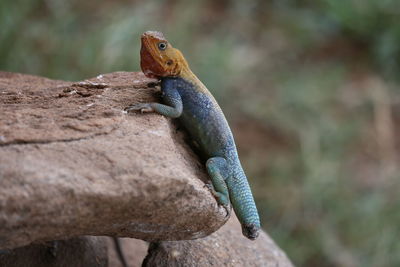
226 247
134 251
78 252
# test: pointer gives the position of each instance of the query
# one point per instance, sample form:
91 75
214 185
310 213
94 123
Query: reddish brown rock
72 163
134 251
226 247
77 252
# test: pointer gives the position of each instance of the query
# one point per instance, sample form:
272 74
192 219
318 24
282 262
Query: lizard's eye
162 46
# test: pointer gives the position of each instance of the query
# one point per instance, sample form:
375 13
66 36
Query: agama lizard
185 97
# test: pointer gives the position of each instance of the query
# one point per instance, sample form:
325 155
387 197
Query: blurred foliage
310 88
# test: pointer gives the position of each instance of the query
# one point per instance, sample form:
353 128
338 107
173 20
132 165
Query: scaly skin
185 97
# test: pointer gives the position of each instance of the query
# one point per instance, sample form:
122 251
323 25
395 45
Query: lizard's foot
228 210
217 169
222 200
143 107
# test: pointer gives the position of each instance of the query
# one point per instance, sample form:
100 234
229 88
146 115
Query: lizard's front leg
173 103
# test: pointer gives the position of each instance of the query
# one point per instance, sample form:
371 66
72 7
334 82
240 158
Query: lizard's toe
228 209
209 187
142 107
222 199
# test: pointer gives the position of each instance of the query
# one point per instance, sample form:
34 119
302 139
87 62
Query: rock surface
73 163
134 251
77 252
226 247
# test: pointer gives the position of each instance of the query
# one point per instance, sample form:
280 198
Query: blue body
207 125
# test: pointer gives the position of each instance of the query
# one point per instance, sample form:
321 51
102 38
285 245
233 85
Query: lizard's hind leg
218 170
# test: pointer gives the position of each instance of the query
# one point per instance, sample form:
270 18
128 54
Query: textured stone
226 247
73 163
77 252
134 251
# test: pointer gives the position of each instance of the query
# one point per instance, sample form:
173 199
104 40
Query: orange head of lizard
158 58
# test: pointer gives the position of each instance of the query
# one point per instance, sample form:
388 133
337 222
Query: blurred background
311 89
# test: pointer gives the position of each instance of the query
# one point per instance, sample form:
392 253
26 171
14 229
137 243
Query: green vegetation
312 84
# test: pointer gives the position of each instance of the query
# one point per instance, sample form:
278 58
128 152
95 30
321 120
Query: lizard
185 97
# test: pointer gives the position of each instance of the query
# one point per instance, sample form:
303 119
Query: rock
73 163
81 251
226 247
77 252
134 251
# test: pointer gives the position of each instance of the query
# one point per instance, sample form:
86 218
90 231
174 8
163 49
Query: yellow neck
188 75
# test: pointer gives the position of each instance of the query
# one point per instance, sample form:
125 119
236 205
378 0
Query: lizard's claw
210 187
143 107
228 210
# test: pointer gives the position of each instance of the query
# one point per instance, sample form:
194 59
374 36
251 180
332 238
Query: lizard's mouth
149 65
